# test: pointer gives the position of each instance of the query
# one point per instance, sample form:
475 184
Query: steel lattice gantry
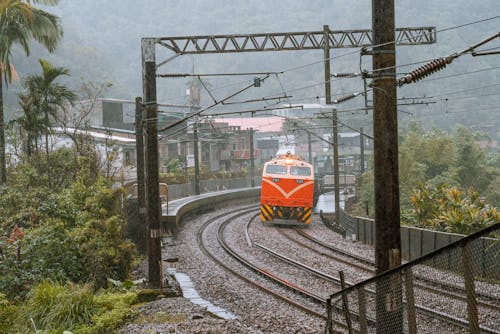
288 41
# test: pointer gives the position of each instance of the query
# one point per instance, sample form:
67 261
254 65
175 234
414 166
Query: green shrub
105 251
113 309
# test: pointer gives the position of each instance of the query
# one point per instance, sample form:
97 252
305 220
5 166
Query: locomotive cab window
276 169
302 171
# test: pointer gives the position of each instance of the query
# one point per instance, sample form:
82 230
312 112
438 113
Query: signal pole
196 158
309 147
252 160
385 133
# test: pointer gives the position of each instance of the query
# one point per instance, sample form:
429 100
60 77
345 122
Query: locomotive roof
288 155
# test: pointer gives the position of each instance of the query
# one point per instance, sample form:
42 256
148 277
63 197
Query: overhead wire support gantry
289 41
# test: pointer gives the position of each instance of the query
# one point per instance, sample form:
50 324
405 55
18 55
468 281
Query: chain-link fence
455 289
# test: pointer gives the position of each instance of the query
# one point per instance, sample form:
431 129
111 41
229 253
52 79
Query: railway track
227 219
443 289
246 260
438 287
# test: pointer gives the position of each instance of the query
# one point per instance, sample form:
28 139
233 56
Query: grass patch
161 317
53 308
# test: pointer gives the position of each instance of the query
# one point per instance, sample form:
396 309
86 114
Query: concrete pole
139 147
153 207
328 98
385 128
361 151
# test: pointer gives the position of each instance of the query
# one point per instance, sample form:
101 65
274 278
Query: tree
469 162
47 98
20 22
30 125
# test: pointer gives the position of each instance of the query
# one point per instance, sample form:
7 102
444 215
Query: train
287 193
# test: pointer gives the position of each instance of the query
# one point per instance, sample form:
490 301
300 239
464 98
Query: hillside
102 44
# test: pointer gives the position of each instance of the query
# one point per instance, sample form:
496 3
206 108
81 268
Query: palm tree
46 98
30 123
20 22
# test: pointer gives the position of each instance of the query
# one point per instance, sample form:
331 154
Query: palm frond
20 22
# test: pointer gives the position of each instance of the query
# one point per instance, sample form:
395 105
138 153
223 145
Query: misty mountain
102 44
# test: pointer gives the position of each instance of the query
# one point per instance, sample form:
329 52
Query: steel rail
261 287
451 290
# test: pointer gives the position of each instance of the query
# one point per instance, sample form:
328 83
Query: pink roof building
260 124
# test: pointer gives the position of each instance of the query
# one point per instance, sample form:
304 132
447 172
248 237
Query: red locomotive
287 190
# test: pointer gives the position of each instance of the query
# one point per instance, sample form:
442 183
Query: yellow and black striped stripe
306 215
266 213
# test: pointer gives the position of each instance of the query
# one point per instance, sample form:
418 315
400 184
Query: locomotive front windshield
300 171
276 169
283 170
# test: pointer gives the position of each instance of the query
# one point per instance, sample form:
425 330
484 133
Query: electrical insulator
427 69
344 75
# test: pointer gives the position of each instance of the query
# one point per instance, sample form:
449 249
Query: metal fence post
470 290
345 304
363 326
329 322
410 301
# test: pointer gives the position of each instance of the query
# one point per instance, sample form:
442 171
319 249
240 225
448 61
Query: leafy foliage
75 233
445 181
21 22
449 209
104 252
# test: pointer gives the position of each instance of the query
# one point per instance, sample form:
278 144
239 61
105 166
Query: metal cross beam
289 41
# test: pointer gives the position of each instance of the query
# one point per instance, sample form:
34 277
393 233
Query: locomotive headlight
299 181
288 161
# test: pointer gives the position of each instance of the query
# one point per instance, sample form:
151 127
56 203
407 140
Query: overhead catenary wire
321 83
465 90
354 52
460 74
388 43
210 107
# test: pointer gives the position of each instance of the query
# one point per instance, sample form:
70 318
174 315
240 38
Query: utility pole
328 101
385 128
252 160
196 158
153 207
361 152
309 147
139 147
